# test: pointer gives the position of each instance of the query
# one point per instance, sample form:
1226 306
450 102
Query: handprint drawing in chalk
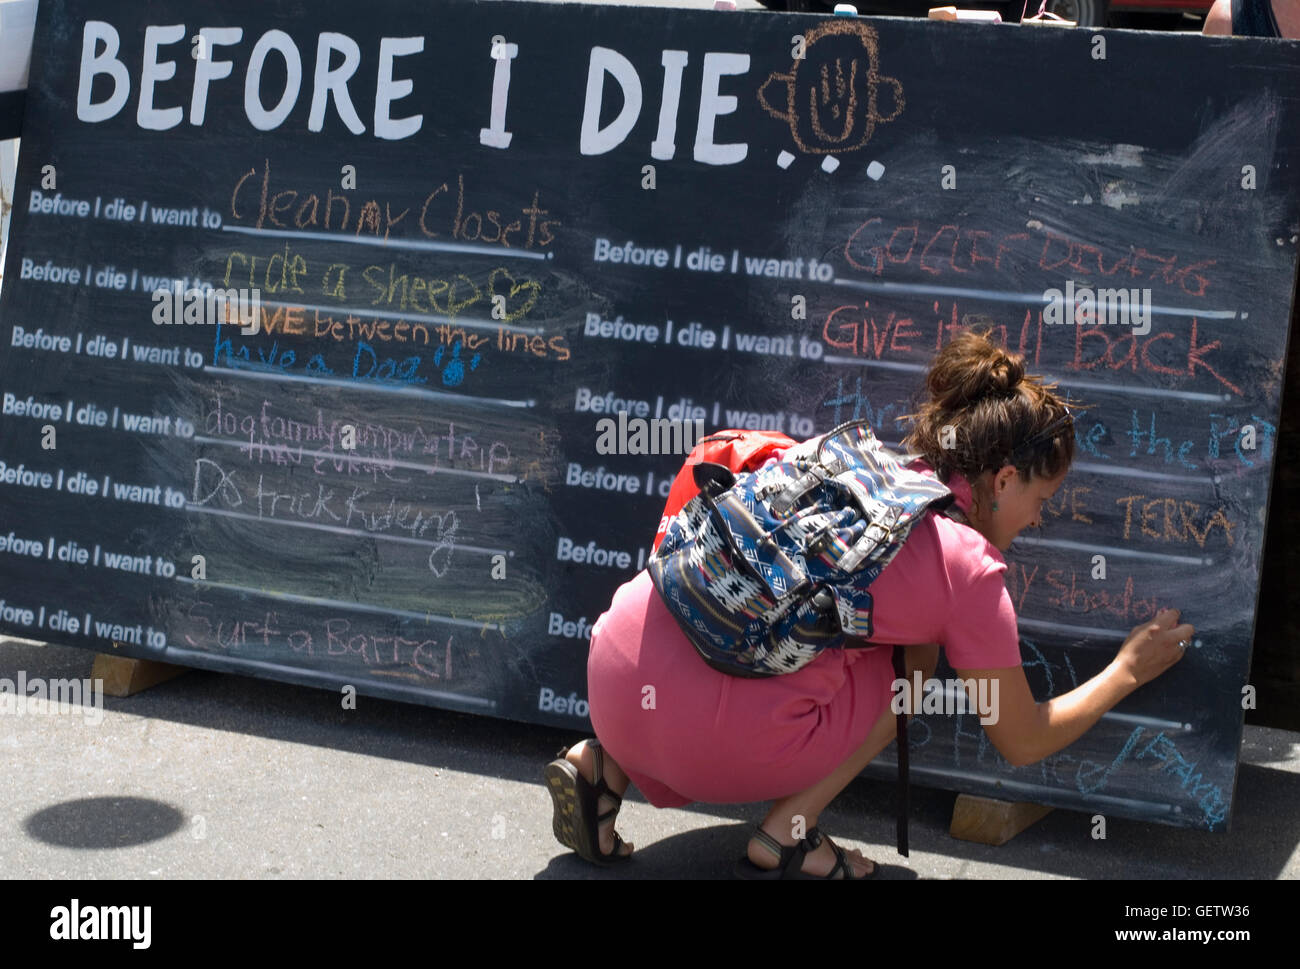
453 373
832 95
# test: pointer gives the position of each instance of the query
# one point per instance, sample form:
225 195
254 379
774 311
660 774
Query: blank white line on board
431 318
1114 550
417 244
340 604
1011 296
356 532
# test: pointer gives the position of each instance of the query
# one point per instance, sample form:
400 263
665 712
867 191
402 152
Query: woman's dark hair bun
971 368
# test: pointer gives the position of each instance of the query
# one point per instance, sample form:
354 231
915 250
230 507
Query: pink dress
685 732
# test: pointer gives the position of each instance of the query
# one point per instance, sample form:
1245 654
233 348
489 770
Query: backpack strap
957 515
1254 18
900 673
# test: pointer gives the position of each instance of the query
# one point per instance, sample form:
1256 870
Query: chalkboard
472 237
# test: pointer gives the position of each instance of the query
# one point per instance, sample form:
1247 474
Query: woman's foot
583 758
821 862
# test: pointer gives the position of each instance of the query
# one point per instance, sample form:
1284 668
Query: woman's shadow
704 854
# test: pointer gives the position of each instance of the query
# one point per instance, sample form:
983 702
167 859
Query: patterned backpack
765 569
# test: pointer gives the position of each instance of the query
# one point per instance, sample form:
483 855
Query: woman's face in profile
1020 505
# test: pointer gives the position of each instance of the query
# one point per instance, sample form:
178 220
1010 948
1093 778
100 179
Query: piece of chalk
845 10
955 13
724 4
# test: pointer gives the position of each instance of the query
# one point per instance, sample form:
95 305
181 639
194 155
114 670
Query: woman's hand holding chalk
1148 651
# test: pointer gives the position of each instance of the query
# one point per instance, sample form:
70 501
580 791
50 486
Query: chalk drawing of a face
830 100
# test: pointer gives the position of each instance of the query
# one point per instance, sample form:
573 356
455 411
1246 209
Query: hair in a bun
985 412
971 368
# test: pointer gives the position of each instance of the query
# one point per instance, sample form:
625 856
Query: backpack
766 568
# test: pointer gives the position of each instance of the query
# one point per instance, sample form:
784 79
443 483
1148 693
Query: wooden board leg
124 676
988 821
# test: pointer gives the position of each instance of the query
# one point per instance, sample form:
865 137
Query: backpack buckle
784 503
713 479
823 600
820 542
875 537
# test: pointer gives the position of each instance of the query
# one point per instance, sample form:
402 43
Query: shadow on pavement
104 822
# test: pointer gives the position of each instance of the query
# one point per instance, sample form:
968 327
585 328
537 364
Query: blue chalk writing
1103 774
1098 432
862 409
367 364
1263 429
1212 802
1137 434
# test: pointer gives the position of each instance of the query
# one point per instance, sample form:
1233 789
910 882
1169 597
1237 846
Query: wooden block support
987 821
124 676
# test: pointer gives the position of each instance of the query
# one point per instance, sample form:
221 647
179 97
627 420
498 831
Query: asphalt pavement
212 775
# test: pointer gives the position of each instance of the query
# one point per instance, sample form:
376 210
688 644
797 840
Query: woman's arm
1025 731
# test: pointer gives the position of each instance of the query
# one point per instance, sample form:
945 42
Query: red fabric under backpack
734 449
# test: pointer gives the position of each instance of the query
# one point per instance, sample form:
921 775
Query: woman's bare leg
799 812
581 757
808 804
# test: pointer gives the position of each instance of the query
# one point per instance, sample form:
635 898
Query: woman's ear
1005 477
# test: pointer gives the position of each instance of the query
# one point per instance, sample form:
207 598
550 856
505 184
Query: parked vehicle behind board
1086 13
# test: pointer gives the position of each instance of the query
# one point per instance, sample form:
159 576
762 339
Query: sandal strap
811 842
598 776
841 862
790 857
618 846
790 854
770 843
601 786
603 789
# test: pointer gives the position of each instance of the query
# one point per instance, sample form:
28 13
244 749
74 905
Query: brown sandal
790 863
576 823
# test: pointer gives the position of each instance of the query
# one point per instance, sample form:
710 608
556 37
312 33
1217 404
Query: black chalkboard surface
473 236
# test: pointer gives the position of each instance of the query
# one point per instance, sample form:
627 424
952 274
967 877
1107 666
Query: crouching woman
1002 442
